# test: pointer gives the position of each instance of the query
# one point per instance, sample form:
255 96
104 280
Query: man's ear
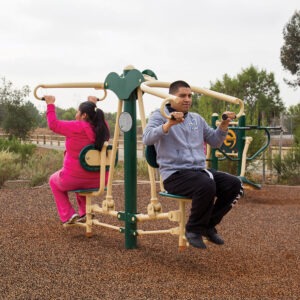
84 116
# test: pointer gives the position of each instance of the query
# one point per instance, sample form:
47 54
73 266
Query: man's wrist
166 127
223 128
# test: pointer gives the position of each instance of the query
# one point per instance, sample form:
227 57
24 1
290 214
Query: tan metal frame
154 208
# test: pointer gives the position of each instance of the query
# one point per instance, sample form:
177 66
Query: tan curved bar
221 96
95 85
149 86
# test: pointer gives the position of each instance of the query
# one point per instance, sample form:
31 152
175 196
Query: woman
89 127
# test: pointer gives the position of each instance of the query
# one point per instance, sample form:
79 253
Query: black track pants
206 212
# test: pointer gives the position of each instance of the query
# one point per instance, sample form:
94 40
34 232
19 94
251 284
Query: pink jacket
78 135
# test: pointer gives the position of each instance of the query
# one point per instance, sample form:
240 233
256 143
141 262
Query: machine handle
95 85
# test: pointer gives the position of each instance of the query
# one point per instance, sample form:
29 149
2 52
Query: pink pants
60 183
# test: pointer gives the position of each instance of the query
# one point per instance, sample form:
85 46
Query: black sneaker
81 219
72 220
213 236
195 239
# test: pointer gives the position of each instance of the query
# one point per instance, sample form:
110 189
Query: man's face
185 100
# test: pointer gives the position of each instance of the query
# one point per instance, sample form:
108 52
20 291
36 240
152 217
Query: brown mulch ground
40 259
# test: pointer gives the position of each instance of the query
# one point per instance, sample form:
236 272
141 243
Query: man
179 143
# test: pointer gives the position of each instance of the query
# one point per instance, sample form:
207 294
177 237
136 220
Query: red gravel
42 260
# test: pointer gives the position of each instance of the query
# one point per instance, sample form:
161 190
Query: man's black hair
174 86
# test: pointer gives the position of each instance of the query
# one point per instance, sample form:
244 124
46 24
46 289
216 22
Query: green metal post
130 175
241 142
214 159
125 87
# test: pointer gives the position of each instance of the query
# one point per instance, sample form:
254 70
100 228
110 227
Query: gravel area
42 260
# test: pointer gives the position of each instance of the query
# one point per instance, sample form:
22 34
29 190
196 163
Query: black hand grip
172 117
43 99
225 117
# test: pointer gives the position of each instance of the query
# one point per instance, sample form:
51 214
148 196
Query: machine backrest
90 158
150 155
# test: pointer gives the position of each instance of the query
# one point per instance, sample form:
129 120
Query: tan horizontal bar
95 85
96 222
220 154
230 123
145 232
97 209
143 217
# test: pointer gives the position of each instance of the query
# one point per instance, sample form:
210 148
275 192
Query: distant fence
55 140
262 167
58 141
42 139
48 139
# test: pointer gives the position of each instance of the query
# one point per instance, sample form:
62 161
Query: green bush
119 171
41 165
288 167
10 166
14 145
142 170
228 166
259 140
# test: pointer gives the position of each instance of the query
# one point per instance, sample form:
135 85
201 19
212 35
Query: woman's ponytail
95 116
101 129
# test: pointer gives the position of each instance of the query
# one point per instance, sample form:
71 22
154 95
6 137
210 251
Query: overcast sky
57 41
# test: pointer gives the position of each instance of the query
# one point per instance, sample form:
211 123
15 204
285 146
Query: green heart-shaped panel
125 84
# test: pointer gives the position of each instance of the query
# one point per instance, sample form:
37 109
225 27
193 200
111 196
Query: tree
257 88
290 51
260 93
111 120
203 106
10 95
69 114
294 117
288 166
17 117
20 119
62 114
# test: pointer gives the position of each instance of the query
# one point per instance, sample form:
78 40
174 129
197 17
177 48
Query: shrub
14 145
288 168
228 166
142 170
10 166
119 171
41 165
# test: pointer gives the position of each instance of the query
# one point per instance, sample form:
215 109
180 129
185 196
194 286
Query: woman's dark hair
95 116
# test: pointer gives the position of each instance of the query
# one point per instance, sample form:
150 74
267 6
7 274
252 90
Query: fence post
264 168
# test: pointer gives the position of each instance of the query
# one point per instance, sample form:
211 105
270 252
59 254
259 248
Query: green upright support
130 175
214 159
125 87
241 142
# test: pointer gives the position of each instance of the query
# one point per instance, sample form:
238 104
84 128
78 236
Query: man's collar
171 109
